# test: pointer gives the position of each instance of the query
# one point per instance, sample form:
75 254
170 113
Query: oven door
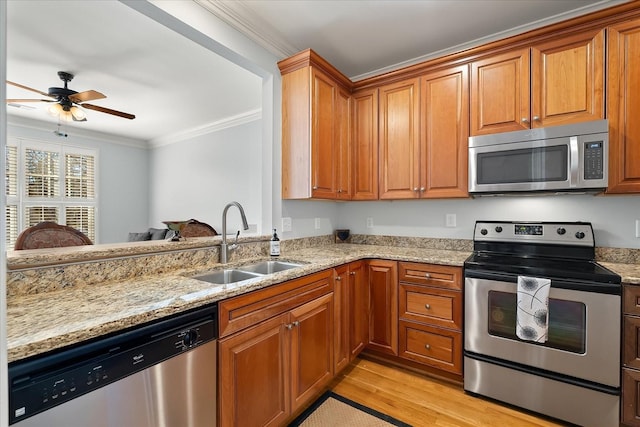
584 330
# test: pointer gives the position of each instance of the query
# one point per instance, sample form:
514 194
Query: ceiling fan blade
30 100
109 111
87 95
28 88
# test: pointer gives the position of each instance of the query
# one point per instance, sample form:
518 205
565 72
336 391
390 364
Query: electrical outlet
637 227
317 223
286 224
450 220
369 222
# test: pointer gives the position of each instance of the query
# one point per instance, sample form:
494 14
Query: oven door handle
578 285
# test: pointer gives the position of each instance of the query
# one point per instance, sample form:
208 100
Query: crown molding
245 20
216 126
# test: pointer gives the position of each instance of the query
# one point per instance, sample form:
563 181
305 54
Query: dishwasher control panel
38 385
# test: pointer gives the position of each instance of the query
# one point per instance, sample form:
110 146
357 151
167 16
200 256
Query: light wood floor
423 401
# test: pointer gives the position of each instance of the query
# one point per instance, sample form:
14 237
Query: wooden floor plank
420 400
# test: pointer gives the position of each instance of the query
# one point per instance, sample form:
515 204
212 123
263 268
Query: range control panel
560 233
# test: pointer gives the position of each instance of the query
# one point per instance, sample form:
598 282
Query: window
49 182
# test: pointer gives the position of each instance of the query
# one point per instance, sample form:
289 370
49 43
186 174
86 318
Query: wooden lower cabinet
383 306
351 313
270 370
631 356
430 315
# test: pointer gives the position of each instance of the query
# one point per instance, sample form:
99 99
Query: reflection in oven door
580 362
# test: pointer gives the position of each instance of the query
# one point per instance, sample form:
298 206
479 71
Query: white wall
613 217
196 178
123 176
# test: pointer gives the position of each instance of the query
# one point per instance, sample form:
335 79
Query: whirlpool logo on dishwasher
138 358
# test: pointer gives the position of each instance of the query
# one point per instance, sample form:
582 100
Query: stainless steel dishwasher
161 374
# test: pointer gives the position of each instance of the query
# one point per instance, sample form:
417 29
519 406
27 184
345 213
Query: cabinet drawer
631 350
435 306
631 299
436 347
246 310
439 276
630 397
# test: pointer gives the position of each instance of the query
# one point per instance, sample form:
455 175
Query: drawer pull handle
427 346
427 275
427 306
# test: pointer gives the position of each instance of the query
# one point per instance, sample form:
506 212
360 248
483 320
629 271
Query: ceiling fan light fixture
78 114
66 116
55 109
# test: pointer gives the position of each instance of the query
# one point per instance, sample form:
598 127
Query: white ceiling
173 85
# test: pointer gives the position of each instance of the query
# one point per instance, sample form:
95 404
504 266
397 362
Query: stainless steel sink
245 272
222 277
269 267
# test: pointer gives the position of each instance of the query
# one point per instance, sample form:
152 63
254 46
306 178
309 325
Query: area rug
333 410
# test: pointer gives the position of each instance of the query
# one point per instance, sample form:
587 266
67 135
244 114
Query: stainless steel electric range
572 372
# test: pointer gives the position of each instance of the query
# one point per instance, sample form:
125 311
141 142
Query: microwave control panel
593 160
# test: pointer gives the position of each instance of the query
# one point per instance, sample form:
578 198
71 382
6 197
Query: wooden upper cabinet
343 163
623 106
567 84
364 143
315 129
444 133
323 133
556 82
500 97
399 140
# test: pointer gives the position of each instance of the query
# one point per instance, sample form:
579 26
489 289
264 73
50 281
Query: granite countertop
47 321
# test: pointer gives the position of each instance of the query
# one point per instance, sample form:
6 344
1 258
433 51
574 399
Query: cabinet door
623 107
444 133
567 83
311 331
500 97
358 308
323 111
365 145
341 326
342 159
399 140
254 376
383 291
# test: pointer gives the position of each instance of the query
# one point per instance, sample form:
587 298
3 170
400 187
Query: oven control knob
561 231
498 229
580 234
484 231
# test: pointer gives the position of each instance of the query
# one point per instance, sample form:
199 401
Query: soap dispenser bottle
274 245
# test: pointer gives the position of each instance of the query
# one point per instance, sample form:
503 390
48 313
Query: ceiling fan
66 101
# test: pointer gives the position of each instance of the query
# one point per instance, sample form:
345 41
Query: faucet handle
237 235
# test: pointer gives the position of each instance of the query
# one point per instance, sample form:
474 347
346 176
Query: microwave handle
574 162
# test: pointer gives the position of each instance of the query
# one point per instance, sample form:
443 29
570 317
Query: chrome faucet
224 249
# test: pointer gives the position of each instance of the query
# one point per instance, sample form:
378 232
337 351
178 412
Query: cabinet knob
536 118
289 326
427 346
339 191
353 273
427 275
338 278
422 189
315 187
415 189
427 306
525 120
296 323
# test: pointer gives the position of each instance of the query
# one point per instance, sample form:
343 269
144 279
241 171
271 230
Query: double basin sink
246 272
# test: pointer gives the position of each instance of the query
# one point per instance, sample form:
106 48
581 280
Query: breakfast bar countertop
41 322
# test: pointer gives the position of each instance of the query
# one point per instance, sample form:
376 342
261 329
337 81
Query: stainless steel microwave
560 159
